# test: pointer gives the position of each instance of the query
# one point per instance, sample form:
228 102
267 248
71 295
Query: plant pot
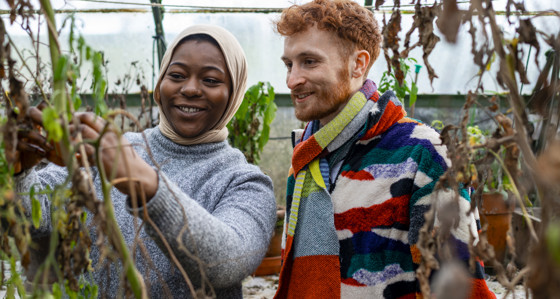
269 266
272 261
496 212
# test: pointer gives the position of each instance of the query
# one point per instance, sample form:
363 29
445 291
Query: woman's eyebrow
205 68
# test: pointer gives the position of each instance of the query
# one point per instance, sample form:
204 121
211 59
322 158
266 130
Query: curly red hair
354 24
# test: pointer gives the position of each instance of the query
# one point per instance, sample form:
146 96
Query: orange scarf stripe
304 153
390 117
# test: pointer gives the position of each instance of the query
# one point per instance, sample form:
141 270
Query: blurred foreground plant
69 241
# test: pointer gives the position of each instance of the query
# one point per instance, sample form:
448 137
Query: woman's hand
32 146
121 163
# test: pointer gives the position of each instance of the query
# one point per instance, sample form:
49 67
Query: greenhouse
118 180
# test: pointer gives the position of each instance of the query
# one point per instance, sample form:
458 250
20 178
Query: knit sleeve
448 203
39 180
226 244
431 166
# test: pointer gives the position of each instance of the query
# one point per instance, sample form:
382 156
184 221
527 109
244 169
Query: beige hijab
237 67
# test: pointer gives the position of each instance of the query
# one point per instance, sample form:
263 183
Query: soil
264 287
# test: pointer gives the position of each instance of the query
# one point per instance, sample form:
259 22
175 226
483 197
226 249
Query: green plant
389 81
495 179
68 252
249 129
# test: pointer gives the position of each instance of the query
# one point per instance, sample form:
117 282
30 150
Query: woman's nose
191 88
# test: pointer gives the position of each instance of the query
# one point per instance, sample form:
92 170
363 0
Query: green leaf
253 92
11 291
36 212
264 137
81 49
99 84
270 90
88 53
71 35
61 68
51 124
57 292
437 124
270 114
77 102
553 240
413 94
243 108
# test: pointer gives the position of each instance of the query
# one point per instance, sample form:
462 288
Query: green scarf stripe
330 131
290 185
308 188
420 193
465 194
295 202
376 262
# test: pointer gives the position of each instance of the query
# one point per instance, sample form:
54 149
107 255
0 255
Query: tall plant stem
114 231
59 83
60 101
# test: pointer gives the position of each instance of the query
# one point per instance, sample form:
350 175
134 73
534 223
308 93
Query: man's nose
294 78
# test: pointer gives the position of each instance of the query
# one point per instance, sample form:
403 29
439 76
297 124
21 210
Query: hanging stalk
59 82
115 234
61 103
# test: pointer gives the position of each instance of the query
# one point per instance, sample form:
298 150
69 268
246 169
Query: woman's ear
157 94
361 62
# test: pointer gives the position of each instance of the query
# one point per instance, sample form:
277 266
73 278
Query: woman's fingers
36 115
86 131
36 138
93 121
31 148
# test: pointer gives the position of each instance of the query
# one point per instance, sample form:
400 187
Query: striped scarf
311 266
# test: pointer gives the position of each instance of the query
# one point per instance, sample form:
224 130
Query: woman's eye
212 81
176 76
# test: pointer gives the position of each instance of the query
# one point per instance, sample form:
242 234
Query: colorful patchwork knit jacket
385 167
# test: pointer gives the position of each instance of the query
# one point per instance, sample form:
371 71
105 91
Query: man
363 174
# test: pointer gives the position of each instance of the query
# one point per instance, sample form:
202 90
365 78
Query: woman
215 211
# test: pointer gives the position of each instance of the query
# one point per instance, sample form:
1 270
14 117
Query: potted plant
249 129
495 167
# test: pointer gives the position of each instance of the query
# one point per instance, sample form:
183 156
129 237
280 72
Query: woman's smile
196 87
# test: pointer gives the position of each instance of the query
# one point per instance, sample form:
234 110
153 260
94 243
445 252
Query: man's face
318 76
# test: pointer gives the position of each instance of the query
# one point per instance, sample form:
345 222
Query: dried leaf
528 35
450 20
424 22
391 42
518 6
549 164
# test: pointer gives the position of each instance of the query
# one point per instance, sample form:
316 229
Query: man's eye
288 65
309 61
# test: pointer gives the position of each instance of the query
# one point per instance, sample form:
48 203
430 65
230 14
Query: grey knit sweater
226 205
